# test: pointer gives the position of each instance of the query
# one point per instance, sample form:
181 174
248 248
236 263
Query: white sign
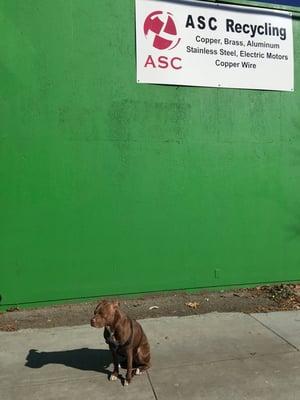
205 44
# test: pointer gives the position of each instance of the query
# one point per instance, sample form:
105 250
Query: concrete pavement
214 356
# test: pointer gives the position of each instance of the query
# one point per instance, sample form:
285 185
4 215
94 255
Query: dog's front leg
114 375
129 356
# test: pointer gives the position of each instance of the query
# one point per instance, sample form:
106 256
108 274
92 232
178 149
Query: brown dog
125 338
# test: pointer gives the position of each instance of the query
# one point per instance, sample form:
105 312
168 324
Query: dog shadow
84 359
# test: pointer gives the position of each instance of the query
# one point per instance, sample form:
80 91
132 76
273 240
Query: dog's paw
138 372
126 382
113 377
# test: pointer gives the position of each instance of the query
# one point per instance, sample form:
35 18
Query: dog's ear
116 304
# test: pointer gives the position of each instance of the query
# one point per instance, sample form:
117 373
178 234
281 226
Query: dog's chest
116 341
111 337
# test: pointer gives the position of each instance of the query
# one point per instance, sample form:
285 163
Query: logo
160 28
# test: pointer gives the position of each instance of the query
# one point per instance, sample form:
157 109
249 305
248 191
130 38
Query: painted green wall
110 187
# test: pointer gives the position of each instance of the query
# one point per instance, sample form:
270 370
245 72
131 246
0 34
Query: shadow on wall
84 359
294 228
295 231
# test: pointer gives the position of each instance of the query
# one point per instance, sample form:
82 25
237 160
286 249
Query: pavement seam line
152 387
275 333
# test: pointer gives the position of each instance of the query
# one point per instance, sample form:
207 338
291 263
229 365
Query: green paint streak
109 187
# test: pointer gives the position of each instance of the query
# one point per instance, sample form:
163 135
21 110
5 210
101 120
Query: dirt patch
260 299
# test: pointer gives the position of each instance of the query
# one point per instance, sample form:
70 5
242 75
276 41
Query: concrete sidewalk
208 357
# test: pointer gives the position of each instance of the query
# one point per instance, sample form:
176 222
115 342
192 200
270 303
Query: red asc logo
160 30
163 62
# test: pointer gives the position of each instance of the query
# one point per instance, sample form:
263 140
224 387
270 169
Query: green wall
110 187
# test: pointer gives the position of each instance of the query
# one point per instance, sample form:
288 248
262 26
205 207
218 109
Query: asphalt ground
213 356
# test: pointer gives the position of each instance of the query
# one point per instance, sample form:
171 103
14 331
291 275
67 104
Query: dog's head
105 313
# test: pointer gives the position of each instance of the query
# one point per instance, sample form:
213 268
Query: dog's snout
93 320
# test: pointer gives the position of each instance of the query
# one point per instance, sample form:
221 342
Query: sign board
216 45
